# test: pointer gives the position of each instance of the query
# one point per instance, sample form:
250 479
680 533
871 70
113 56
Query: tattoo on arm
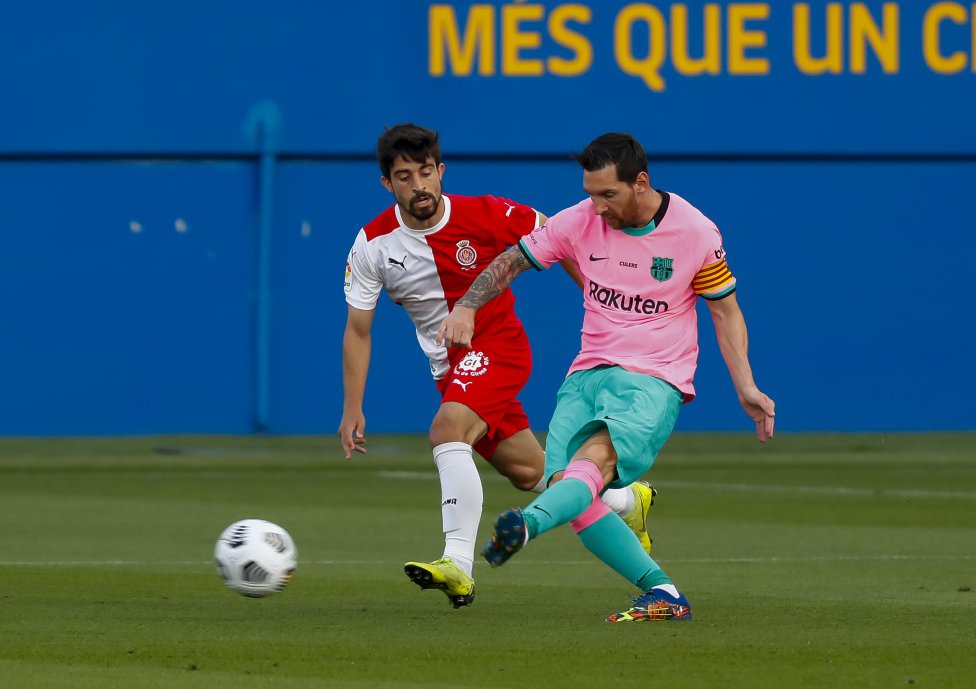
494 279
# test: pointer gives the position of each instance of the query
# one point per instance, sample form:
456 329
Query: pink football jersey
640 285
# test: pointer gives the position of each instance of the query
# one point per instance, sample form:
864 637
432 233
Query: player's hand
352 434
457 329
761 410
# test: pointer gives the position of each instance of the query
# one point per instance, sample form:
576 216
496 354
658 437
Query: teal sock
563 501
615 544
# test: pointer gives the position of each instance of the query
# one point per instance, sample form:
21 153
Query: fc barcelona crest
662 268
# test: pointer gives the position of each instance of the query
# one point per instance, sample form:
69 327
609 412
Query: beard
423 213
628 217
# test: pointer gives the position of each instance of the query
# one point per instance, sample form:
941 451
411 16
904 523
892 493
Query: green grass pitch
817 561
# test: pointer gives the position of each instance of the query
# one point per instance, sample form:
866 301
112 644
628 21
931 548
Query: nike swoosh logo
598 258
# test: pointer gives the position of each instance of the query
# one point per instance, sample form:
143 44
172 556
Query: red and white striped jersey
427 271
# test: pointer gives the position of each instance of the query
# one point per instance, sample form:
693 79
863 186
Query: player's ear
440 171
386 184
643 181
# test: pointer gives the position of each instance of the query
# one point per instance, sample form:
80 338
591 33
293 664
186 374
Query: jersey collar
655 221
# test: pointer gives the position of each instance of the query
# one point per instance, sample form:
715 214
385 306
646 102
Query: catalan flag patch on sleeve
714 281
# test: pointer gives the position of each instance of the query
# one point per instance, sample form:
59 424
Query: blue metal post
266 139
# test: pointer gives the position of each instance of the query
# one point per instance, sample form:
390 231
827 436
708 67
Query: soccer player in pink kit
645 257
425 251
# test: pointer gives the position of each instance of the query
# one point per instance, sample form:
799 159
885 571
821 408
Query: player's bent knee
452 425
440 435
598 452
445 430
523 477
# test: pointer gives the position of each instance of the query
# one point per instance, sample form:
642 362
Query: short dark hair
409 140
618 149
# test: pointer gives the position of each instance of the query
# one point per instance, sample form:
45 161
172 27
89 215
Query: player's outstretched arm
458 328
733 341
356 348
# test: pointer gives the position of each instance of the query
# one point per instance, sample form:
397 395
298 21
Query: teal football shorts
639 411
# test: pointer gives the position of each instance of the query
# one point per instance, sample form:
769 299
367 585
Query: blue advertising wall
180 183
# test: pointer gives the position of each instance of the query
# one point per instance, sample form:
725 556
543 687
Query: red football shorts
487 379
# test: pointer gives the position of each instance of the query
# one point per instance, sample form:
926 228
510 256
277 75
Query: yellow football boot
443 574
644 494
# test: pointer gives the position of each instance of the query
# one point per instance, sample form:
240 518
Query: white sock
620 500
669 588
540 486
462 498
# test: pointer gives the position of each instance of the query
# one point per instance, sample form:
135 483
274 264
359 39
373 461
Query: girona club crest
466 254
473 364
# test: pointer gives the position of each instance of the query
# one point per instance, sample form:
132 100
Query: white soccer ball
255 557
